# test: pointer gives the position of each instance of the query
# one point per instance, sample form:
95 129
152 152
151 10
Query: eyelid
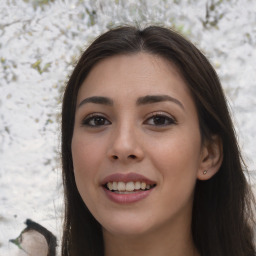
92 115
161 114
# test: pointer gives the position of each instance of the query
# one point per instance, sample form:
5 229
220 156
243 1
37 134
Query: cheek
86 153
177 151
86 160
177 162
177 158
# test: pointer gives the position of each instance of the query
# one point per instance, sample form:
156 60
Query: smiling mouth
121 187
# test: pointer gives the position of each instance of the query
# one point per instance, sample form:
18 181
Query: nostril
115 157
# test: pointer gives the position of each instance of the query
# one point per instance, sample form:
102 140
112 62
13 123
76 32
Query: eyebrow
97 100
148 99
157 98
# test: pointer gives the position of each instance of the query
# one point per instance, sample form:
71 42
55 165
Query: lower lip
127 198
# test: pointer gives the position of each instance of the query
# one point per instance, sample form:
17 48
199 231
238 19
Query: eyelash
92 117
168 120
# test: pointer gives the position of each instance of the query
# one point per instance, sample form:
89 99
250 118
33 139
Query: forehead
134 75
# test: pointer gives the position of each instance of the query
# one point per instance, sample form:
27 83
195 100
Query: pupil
159 120
99 121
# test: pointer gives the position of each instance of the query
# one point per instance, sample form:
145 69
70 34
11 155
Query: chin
127 228
125 231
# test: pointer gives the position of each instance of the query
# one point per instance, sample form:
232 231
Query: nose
125 145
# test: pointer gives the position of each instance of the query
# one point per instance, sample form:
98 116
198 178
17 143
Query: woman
151 164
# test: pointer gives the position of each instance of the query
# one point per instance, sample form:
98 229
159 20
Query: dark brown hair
222 218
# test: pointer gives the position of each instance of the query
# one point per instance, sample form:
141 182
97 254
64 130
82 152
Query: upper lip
126 177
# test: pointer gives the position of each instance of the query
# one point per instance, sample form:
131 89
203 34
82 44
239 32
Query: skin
127 138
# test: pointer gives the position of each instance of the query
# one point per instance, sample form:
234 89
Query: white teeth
110 185
121 186
129 186
114 185
143 185
137 185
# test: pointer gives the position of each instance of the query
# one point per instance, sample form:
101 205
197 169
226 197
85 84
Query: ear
211 158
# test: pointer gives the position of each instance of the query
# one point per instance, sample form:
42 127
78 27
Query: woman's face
136 145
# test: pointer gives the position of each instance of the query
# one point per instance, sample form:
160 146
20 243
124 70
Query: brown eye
160 120
95 121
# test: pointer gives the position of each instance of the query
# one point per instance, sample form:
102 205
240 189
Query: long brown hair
222 216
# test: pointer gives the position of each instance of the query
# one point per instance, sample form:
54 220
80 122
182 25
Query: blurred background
41 40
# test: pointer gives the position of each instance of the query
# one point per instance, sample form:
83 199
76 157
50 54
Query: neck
158 242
